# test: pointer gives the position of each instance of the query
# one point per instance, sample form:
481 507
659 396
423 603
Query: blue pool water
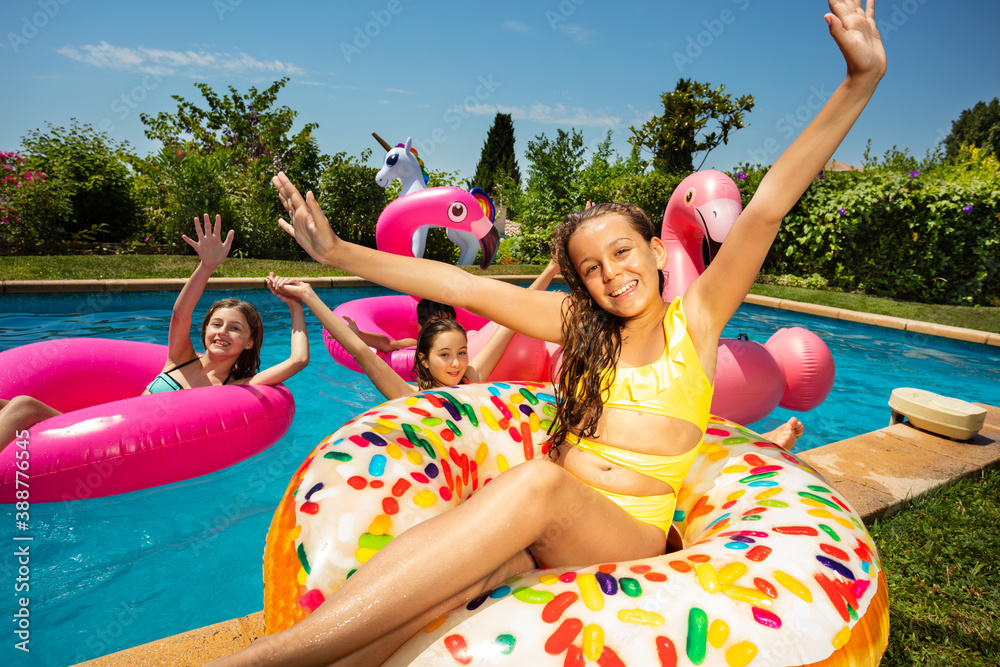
111 573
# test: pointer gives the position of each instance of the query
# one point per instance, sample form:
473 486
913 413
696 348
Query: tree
555 163
678 134
249 125
219 159
497 162
92 171
978 126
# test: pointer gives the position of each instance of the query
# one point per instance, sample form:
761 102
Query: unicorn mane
423 169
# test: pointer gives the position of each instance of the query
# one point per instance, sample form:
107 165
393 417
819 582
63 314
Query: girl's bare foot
787 434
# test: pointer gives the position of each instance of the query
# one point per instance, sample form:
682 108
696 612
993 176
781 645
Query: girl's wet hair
425 342
592 340
248 363
427 310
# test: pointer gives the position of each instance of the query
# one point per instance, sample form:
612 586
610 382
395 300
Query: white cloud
558 114
515 26
578 33
401 92
310 83
162 62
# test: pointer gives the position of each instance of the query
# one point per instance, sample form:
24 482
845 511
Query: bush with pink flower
32 207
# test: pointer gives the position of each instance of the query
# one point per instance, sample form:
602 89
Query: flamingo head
704 206
448 207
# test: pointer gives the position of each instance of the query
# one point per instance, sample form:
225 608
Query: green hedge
931 236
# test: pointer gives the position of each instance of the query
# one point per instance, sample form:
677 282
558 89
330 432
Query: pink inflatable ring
111 440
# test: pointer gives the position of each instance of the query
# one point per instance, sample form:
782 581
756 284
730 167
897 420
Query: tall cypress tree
498 156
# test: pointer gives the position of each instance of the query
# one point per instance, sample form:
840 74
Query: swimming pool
115 572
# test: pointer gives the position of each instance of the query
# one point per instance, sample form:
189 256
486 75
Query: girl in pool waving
635 388
441 358
232 333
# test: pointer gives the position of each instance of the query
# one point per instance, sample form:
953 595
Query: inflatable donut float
111 440
777 568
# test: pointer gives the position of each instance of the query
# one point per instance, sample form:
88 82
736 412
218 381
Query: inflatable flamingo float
403 163
402 230
794 368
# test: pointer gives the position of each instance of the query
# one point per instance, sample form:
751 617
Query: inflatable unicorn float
470 221
402 162
793 369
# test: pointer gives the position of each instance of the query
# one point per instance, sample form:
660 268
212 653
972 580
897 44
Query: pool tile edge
888 321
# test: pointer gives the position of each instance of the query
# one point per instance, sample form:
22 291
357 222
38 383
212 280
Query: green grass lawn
117 267
940 554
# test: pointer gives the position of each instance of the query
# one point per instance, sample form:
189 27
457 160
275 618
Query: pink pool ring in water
111 440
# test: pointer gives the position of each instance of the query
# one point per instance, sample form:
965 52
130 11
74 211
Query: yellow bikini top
675 385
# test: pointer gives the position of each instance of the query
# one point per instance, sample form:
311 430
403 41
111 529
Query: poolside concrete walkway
876 472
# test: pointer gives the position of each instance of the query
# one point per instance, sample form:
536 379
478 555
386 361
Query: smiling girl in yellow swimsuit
635 384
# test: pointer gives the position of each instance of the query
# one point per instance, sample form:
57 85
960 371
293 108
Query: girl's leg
537 505
21 413
382 648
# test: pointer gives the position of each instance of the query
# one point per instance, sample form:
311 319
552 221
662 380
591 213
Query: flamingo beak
489 245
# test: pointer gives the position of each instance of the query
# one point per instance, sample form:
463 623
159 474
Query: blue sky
440 71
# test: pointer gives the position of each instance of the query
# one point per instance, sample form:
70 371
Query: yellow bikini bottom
657 510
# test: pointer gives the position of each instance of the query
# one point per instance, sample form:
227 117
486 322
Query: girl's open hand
352 325
308 225
853 28
211 249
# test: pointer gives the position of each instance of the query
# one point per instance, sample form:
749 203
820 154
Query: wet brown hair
248 363
425 341
592 340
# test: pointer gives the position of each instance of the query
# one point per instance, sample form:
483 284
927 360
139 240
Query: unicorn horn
382 142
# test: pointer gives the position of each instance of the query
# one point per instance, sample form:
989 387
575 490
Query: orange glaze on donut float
777 568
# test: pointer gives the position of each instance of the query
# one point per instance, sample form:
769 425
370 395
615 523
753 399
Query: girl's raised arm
493 351
212 250
386 380
298 357
533 313
718 292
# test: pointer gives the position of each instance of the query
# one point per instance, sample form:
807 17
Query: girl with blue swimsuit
232 333
635 382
